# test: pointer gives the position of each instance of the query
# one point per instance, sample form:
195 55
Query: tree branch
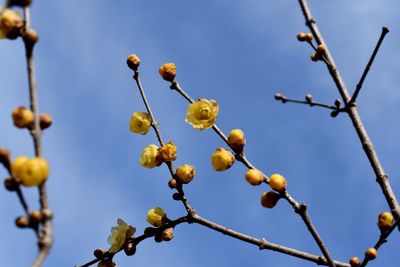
381 176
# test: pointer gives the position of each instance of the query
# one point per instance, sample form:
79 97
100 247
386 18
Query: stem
45 233
381 177
385 30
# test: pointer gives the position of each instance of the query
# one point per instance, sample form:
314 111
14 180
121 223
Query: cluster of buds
23 118
35 217
153 156
319 53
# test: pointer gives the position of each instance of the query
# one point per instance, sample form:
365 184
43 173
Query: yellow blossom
222 159
236 139
277 182
385 221
167 153
168 71
31 172
119 235
133 62
10 24
22 117
140 122
149 157
185 173
202 114
156 217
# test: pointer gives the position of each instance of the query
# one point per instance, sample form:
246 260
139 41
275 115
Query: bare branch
381 176
385 30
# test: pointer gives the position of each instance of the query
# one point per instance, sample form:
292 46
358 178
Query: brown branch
299 209
385 30
381 176
309 102
45 233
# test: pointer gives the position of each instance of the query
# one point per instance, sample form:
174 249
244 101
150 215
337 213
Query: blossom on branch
202 114
156 217
119 235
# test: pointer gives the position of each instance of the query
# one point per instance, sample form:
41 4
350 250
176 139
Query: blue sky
239 53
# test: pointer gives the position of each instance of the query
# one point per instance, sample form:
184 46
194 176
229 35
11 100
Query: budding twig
385 30
299 209
156 128
309 101
45 233
381 177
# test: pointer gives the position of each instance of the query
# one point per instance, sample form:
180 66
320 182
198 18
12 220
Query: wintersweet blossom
222 159
149 157
119 235
156 217
10 24
168 71
140 122
167 153
202 114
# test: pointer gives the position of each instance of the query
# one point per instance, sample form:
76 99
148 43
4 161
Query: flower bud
236 139
172 183
254 177
133 62
167 153
321 48
11 24
11 184
301 36
185 173
168 71
22 117
385 221
314 57
355 262
157 217
269 199
140 122
277 182
167 234
149 157
45 121
308 37
222 159
99 253
107 263
129 249
202 114
33 172
371 254
47 214
22 222
309 98
30 37
36 216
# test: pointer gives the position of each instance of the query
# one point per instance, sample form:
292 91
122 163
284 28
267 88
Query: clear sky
239 53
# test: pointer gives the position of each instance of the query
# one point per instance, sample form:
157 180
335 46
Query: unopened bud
309 98
99 253
22 117
22 222
355 262
172 183
11 184
133 62
314 57
129 249
167 234
36 215
321 48
30 37
168 71
45 121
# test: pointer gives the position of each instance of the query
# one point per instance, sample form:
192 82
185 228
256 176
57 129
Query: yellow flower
119 235
140 122
31 172
254 177
156 217
385 221
277 182
202 114
222 159
168 71
149 157
22 117
10 24
167 153
185 173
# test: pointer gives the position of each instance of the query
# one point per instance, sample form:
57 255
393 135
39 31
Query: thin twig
299 209
385 30
45 233
381 176
264 244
